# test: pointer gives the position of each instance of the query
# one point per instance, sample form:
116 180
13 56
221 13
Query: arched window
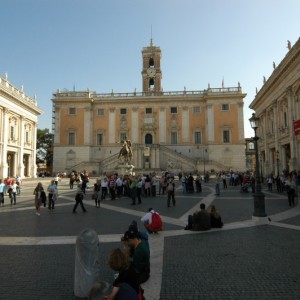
148 139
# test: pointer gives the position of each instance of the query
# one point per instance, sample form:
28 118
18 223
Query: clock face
151 72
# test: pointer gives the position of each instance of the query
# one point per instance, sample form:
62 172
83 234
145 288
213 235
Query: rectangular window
173 110
27 137
12 133
198 139
225 107
100 112
123 111
173 138
72 110
284 119
196 109
123 136
99 138
149 110
71 138
226 136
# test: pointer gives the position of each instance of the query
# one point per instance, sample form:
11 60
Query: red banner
296 127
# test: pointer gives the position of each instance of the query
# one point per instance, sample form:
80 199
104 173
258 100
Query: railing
94 95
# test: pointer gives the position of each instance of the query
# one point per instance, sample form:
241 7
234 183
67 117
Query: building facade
174 131
18 119
277 106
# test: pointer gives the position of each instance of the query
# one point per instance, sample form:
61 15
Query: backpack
156 223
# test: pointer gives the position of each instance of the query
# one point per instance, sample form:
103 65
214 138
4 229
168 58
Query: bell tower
151 72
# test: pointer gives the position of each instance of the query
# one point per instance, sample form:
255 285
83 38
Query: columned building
18 119
174 131
277 106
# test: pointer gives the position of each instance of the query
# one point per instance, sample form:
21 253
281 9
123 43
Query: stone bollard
87 263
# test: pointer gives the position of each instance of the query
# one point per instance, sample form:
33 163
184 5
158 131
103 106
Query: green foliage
44 143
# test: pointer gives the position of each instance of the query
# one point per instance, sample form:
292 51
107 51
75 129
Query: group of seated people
131 262
204 220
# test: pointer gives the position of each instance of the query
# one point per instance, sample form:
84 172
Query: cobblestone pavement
245 260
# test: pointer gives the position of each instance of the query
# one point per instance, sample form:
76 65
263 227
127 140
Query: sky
47 45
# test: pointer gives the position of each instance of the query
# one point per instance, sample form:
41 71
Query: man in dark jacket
200 220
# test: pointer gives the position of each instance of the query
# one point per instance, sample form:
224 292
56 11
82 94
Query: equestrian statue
126 151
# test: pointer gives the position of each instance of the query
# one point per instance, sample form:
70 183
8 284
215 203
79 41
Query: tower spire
151 39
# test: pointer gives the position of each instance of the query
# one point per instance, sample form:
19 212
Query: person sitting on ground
119 262
152 221
200 220
141 255
215 218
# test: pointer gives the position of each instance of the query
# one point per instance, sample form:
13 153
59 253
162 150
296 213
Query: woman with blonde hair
119 262
215 218
38 197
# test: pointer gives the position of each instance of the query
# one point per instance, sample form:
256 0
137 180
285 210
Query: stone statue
256 90
264 79
126 151
5 75
274 65
289 46
87 263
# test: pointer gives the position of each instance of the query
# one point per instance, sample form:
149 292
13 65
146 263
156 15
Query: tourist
104 188
12 192
19 183
38 197
290 186
52 195
152 221
200 220
147 186
97 191
2 191
218 183
133 184
224 181
78 199
139 186
198 183
119 262
171 191
216 221
72 179
141 256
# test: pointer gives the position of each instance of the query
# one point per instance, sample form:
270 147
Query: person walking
104 188
2 191
218 182
133 183
97 191
38 197
290 186
78 199
12 191
52 194
171 191
139 187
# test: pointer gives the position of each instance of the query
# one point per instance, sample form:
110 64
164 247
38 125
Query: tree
44 144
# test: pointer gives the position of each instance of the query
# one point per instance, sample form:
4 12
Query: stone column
57 126
241 122
33 155
5 130
162 125
112 126
291 118
211 124
21 149
134 125
185 125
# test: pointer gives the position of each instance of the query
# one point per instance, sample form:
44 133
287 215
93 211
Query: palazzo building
18 119
277 104
174 131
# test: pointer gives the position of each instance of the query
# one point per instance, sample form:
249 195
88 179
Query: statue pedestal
126 169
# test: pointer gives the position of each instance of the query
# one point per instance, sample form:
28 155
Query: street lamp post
277 160
258 196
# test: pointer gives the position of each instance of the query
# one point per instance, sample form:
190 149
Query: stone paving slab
292 221
261 262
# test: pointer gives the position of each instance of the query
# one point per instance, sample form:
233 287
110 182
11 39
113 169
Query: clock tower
151 72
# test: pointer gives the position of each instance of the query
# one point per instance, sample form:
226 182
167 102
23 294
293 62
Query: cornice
278 73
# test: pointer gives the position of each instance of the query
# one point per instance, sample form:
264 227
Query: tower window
72 111
225 107
173 110
151 62
149 110
151 83
123 111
